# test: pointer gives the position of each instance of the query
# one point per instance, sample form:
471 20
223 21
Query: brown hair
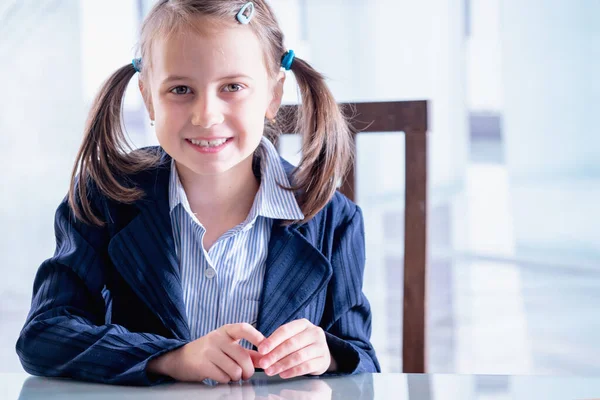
105 157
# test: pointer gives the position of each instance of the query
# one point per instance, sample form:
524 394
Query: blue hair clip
137 64
287 60
242 17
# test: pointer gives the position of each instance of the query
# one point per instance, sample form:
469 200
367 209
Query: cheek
171 116
170 120
166 109
250 120
251 113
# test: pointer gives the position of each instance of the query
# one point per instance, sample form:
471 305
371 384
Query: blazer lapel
144 254
295 272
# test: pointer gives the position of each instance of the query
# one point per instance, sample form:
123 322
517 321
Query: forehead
208 49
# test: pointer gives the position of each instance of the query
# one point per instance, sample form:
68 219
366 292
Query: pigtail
327 149
105 156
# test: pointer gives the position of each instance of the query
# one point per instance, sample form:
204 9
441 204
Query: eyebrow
172 78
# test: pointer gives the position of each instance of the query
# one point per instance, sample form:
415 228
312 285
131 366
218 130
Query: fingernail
264 364
263 350
269 371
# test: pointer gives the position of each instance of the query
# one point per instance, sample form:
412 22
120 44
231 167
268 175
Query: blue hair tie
287 60
137 64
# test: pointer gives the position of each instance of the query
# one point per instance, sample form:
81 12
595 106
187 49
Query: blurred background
514 165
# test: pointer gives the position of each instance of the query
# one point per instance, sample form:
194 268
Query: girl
209 256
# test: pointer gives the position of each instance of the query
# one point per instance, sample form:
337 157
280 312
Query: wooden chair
410 118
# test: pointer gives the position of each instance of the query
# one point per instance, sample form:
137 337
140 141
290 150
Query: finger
217 374
241 357
244 331
293 344
255 356
230 367
306 368
282 334
297 358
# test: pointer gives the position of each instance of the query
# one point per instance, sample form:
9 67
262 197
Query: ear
147 99
277 96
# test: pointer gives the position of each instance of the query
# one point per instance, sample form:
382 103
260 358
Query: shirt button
209 273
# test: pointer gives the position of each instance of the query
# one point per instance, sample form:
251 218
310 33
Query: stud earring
151 122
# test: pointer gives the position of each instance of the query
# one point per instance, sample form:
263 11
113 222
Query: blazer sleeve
348 334
65 334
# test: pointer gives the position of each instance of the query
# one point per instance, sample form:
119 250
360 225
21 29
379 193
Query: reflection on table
363 386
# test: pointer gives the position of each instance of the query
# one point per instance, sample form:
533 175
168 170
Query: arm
65 334
348 334
340 344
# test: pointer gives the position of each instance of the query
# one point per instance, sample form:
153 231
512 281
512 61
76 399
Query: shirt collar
271 201
177 192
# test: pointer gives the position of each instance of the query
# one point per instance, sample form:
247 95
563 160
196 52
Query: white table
365 386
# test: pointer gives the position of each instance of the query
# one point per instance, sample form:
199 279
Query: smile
208 143
209 146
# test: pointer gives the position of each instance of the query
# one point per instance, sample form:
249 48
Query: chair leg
415 247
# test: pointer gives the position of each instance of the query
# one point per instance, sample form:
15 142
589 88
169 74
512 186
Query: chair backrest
410 118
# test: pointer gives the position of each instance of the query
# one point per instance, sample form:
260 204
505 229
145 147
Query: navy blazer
110 299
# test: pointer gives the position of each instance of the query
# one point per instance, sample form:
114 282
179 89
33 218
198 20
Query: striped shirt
223 285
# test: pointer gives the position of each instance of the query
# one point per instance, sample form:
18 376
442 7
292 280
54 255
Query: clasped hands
294 349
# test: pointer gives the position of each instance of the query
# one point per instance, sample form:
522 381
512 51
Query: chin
209 169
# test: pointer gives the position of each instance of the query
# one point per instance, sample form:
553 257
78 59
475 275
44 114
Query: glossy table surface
364 386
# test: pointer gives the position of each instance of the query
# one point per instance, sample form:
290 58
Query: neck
229 195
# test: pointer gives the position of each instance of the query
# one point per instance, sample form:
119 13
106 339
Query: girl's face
209 94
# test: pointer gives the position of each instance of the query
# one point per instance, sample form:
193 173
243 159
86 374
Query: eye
233 87
179 90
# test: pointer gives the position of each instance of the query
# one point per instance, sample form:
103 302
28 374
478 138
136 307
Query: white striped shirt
223 285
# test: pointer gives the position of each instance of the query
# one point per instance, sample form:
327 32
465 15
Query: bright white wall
397 50
551 59
41 122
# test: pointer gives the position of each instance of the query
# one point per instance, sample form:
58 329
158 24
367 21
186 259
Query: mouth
209 146
209 143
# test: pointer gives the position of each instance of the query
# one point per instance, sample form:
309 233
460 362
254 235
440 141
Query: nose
207 112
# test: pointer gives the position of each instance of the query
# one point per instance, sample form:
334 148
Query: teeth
208 143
